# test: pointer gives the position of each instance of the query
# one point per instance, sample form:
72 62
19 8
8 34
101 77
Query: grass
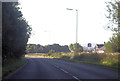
104 59
12 64
39 55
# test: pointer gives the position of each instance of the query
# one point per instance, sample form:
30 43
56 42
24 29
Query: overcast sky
52 23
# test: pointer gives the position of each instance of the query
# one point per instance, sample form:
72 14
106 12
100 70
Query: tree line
37 48
15 31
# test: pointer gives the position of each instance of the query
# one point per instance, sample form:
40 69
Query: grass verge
12 64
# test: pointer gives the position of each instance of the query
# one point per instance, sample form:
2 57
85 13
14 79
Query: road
45 68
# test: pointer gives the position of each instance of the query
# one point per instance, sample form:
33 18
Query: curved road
44 68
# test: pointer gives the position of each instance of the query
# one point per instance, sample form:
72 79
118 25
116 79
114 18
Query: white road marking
66 72
76 78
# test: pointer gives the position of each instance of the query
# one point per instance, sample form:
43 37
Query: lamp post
76 25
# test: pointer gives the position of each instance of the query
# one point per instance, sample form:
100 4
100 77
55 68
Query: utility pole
76 29
76 26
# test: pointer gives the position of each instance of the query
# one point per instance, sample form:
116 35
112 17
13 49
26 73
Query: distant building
100 48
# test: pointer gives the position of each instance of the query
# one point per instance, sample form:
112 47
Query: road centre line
65 71
76 78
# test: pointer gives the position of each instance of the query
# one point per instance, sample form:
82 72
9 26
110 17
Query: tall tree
15 31
113 8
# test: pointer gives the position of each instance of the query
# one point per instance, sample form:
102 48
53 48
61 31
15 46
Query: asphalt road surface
45 68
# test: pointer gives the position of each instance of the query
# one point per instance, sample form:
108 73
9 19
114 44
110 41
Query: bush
87 57
110 60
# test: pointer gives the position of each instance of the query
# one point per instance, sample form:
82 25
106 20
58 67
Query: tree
113 45
76 47
15 31
71 47
113 9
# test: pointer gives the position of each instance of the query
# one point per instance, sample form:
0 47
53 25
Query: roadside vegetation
12 65
15 34
104 59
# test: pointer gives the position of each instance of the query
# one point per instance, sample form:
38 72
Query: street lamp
76 24
69 9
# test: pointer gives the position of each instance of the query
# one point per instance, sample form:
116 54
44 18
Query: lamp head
69 9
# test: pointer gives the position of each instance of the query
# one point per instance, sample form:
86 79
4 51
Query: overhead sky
53 23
